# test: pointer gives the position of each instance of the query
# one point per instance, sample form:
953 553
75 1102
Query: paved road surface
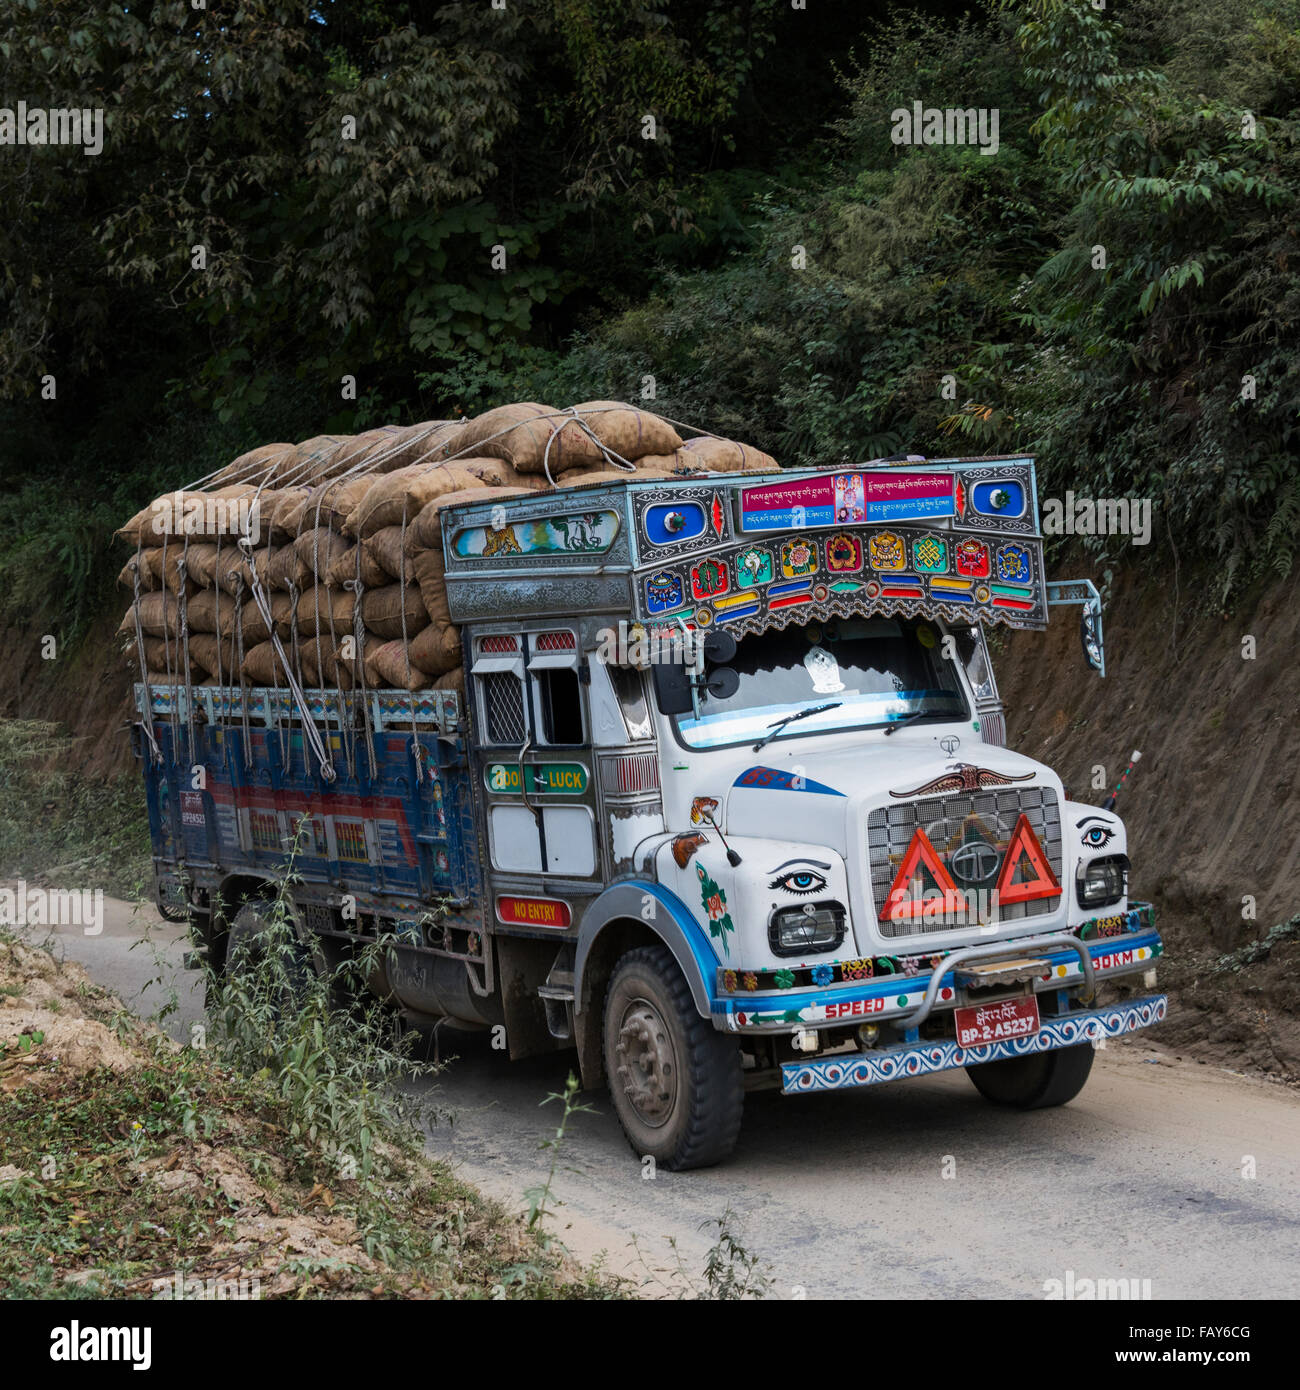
1182 1174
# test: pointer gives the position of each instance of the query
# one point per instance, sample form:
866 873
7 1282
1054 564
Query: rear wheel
270 955
1037 1081
676 1082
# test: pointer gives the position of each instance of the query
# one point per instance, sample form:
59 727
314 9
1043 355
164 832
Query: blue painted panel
674 521
984 498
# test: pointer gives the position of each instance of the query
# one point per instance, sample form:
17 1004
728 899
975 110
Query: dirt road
1161 1170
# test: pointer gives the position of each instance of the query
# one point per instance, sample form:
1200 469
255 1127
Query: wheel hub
647 1062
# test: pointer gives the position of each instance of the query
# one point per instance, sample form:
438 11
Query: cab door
534 767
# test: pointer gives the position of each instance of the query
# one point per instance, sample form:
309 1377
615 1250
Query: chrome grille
950 822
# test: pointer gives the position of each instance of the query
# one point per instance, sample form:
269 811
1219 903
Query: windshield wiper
912 718
790 718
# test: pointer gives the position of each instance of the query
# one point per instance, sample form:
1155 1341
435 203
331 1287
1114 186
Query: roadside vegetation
276 1153
268 1160
57 823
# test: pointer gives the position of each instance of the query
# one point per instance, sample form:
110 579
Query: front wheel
1037 1081
676 1082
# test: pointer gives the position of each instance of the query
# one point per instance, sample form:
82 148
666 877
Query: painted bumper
921 1058
881 999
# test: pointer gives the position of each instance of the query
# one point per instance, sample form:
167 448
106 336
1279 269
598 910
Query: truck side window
503 708
561 704
973 655
553 672
499 671
630 690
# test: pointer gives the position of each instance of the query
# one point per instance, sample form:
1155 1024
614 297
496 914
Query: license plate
990 1023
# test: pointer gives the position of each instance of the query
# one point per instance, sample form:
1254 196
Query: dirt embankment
1213 808
85 685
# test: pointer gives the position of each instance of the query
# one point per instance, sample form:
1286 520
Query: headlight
806 930
1103 881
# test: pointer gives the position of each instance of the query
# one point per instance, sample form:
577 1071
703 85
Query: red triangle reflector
900 902
1044 884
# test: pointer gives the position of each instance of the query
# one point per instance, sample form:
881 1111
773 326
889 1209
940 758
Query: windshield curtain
879 670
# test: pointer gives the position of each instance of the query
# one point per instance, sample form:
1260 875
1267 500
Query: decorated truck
725 803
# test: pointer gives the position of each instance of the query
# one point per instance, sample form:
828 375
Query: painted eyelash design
1097 836
800 882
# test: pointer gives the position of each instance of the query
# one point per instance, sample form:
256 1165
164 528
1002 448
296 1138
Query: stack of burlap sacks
349 557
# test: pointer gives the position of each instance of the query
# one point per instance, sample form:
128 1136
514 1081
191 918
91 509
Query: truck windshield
879 670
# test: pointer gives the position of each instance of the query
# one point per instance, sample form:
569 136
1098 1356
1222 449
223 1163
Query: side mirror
719 648
723 683
1090 639
672 684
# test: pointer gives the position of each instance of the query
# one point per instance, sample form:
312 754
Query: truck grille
970 834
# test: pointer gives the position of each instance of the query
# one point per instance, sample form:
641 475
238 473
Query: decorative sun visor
950 540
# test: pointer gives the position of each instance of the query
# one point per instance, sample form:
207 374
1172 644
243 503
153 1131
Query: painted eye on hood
799 881
1097 836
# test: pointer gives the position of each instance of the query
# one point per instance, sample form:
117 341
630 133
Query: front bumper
881 999
921 1058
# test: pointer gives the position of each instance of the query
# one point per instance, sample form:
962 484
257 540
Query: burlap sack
312 459
232 572
580 477
388 668
254 625
330 505
520 434
401 495
263 463
452 680
318 550
213 655
262 666
158 652
127 574
383 552
495 473
425 532
405 445
628 432
325 610
288 570
385 610
436 649
717 456
281 521
331 663
201 559
429 575
205 611
159 615
224 512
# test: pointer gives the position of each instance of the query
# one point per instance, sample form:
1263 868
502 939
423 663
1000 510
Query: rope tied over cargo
147 712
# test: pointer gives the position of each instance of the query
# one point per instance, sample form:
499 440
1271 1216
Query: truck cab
804 858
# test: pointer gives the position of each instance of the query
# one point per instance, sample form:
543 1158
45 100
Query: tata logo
950 744
974 863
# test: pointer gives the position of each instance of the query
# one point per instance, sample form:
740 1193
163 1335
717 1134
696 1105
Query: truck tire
246 948
676 1082
1037 1081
